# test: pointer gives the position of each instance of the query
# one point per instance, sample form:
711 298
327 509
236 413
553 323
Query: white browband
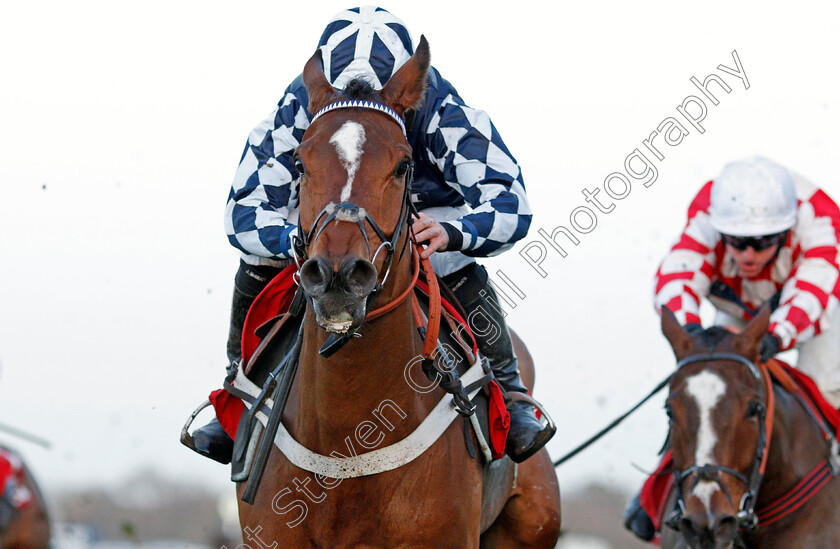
356 103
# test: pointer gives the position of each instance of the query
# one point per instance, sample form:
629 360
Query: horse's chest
402 508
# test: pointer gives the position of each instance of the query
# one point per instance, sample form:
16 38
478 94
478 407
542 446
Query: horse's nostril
359 275
689 531
315 276
726 528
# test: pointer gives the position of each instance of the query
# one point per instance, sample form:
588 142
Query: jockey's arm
261 212
472 158
684 277
811 293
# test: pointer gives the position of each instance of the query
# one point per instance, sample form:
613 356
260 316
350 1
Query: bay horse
355 163
28 526
753 467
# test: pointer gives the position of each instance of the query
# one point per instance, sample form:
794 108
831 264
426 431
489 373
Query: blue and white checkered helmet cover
366 42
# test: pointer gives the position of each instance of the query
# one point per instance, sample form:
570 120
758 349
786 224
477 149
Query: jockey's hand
770 345
427 230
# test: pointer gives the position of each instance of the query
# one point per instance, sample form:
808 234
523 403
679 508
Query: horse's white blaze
704 490
706 389
348 141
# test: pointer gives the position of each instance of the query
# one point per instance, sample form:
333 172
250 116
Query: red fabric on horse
498 419
228 410
273 300
12 480
657 487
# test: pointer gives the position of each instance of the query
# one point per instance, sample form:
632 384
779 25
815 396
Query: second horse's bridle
746 516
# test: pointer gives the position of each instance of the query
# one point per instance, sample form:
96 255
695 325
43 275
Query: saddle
273 330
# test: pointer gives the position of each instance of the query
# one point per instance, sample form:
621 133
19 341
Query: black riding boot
211 440
637 520
471 286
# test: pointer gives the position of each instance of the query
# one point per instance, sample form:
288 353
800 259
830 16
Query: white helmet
753 197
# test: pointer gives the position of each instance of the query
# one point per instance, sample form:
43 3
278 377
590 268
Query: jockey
759 234
467 187
14 495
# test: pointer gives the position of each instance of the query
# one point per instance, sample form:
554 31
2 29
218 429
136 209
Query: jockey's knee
251 279
485 317
820 359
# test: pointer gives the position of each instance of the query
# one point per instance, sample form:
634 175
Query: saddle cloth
658 486
267 324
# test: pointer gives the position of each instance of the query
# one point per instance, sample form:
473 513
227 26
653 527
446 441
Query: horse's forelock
713 336
358 88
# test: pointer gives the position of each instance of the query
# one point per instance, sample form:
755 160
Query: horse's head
717 407
355 164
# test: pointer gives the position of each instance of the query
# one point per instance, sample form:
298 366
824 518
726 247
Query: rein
393 304
597 436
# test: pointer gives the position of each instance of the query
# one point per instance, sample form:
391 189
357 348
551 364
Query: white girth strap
371 463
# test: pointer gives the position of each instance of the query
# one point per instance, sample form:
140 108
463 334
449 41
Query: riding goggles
757 243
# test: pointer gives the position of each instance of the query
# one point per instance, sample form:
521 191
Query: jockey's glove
693 328
770 345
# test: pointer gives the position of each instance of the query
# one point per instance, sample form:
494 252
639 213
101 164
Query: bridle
746 517
350 212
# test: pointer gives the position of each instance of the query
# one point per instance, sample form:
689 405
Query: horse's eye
299 166
402 169
670 412
754 408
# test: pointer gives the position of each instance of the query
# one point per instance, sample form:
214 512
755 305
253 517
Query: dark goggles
757 243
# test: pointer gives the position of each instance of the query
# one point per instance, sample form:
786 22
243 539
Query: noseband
746 517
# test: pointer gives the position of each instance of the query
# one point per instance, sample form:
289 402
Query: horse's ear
749 340
405 89
679 339
317 86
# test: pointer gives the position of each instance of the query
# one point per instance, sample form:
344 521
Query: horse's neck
796 447
364 381
364 362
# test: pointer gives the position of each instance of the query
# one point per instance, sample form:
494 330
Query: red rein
433 327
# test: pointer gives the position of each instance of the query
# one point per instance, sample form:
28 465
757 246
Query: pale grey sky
123 123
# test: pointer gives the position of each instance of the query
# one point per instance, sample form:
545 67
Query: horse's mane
358 88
